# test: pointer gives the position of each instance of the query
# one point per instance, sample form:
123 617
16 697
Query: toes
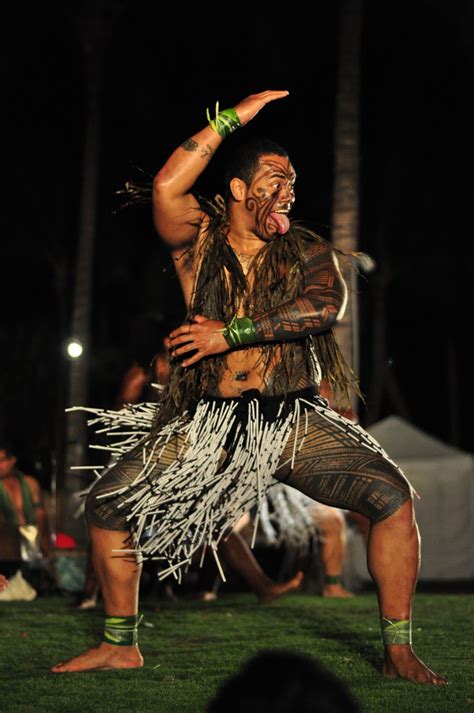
432 678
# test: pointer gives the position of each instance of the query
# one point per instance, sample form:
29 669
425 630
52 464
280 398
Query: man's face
271 191
6 463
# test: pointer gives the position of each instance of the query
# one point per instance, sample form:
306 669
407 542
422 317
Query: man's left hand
202 335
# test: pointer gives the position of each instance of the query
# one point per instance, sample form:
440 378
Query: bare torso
244 368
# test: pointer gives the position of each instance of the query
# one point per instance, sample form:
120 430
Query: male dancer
263 295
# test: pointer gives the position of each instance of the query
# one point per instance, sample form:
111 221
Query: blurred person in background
25 539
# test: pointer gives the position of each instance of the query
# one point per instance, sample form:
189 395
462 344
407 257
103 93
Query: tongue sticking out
281 221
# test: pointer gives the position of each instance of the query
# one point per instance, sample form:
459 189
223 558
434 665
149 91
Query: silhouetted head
7 459
283 682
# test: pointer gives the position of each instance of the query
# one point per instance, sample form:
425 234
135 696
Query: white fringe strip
197 499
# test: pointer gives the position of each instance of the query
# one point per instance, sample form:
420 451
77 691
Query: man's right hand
249 107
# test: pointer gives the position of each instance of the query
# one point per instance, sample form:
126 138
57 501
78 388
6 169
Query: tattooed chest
244 303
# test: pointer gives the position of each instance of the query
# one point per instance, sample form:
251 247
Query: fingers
273 92
270 95
183 339
184 329
188 327
249 107
197 337
279 94
194 359
190 347
182 334
188 344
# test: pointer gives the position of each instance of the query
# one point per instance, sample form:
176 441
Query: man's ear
238 189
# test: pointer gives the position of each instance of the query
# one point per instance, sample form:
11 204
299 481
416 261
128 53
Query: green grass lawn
191 647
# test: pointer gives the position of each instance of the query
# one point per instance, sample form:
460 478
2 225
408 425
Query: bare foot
87 603
401 661
276 589
102 657
336 590
206 596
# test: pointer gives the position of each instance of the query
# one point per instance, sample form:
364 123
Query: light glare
74 349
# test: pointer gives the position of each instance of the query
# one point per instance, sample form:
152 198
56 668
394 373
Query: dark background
161 72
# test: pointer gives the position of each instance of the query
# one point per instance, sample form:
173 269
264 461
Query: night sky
159 76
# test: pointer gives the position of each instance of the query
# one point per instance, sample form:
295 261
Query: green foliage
191 647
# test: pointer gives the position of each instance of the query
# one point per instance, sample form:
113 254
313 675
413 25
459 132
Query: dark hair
283 682
243 162
7 447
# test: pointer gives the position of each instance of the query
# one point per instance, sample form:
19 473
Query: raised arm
176 212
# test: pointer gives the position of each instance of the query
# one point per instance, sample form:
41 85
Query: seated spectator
24 530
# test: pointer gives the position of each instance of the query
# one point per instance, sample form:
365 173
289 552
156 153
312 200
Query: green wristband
240 331
121 630
395 631
225 122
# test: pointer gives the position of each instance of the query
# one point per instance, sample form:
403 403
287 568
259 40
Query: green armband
121 630
225 121
396 631
240 331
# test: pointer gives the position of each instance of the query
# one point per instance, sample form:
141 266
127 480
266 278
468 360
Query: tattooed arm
320 305
176 212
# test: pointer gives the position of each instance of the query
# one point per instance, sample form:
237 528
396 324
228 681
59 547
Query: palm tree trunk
78 381
94 23
345 212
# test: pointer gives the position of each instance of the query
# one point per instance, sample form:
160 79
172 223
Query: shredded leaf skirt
183 488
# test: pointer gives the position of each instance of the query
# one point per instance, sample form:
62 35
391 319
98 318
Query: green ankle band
240 331
225 121
332 578
121 630
396 631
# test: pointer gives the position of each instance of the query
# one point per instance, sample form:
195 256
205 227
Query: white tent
443 476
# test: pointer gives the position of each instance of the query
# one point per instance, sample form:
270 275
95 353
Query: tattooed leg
337 468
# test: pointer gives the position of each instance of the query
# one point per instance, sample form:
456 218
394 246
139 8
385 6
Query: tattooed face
271 195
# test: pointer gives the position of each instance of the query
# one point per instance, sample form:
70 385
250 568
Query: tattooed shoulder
321 251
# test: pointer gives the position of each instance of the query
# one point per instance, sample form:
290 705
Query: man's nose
287 195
